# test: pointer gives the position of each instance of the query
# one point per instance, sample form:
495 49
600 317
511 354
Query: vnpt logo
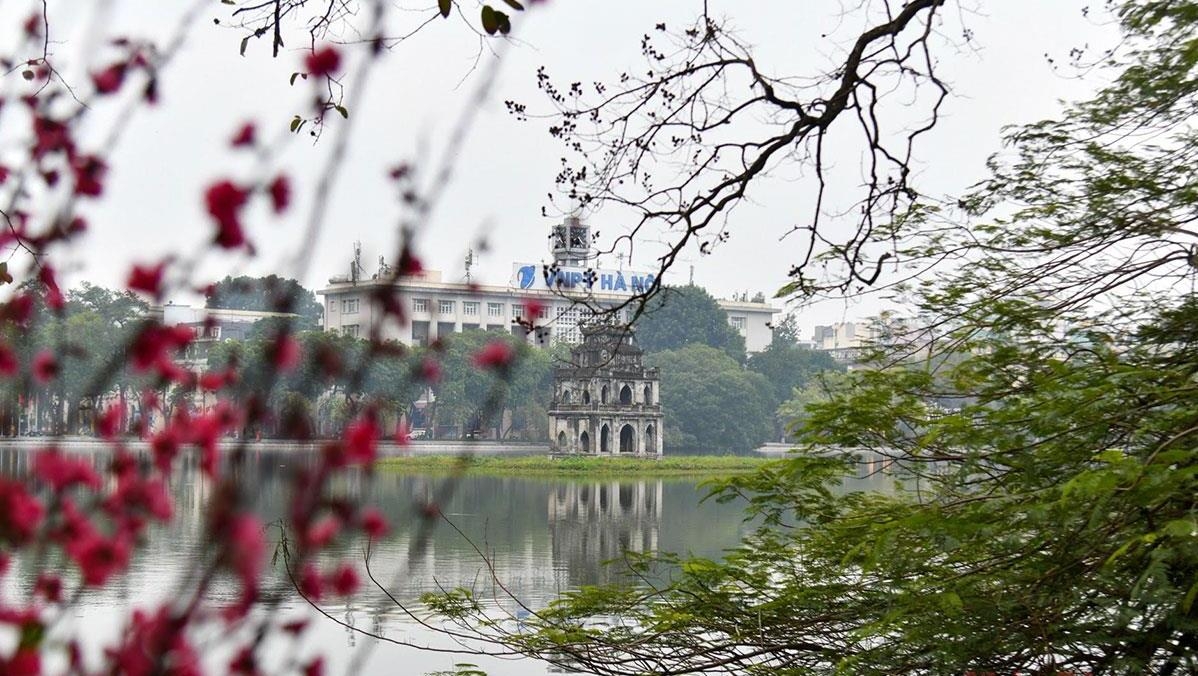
526 275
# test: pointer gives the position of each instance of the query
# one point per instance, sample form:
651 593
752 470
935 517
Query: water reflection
591 523
535 537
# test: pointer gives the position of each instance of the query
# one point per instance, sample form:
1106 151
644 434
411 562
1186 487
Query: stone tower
606 402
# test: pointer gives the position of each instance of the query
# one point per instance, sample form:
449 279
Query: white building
562 290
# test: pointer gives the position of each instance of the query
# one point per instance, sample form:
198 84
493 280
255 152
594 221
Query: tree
267 294
680 315
788 367
711 403
1046 525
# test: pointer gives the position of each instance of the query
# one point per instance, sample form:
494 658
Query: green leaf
490 19
514 5
296 122
342 110
445 6
244 42
293 76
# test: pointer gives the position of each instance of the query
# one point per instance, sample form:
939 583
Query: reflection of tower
591 523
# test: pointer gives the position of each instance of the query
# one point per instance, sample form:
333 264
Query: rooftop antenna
692 279
620 259
469 263
355 267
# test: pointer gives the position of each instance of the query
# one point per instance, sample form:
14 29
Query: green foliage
1045 521
267 294
710 401
679 315
541 466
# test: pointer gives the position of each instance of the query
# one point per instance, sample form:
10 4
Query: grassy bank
542 466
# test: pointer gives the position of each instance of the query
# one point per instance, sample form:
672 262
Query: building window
544 312
494 309
419 305
445 307
212 332
737 323
470 308
349 306
517 310
350 330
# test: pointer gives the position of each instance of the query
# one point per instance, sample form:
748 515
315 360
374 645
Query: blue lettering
575 279
605 282
649 280
620 285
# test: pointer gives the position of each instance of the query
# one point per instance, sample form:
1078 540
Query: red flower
374 524
109 424
247 548
430 370
21 513
19 309
322 532
280 193
45 367
110 79
311 584
100 558
409 264
62 472
52 136
89 172
147 279
213 380
49 587
54 297
535 307
244 136
26 662
315 667
324 61
344 580
284 352
224 201
361 440
496 355
8 361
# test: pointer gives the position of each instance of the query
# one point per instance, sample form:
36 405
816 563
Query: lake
542 536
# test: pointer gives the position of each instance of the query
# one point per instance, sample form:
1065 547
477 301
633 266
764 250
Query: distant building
436 308
211 325
846 341
606 401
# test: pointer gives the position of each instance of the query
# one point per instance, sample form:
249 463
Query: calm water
543 537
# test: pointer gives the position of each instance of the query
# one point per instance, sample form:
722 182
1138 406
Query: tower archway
561 441
650 440
648 395
627 439
603 395
604 440
626 395
584 442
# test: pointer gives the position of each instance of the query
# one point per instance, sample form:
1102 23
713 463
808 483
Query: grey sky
152 205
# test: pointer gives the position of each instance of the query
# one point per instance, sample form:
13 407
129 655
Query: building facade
563 292
606 401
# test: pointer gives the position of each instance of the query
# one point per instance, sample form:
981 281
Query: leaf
490 19
342 110
295 123
244 42
228 2
514 5
445 6
293 76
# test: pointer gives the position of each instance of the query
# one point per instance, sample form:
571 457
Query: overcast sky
152 205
